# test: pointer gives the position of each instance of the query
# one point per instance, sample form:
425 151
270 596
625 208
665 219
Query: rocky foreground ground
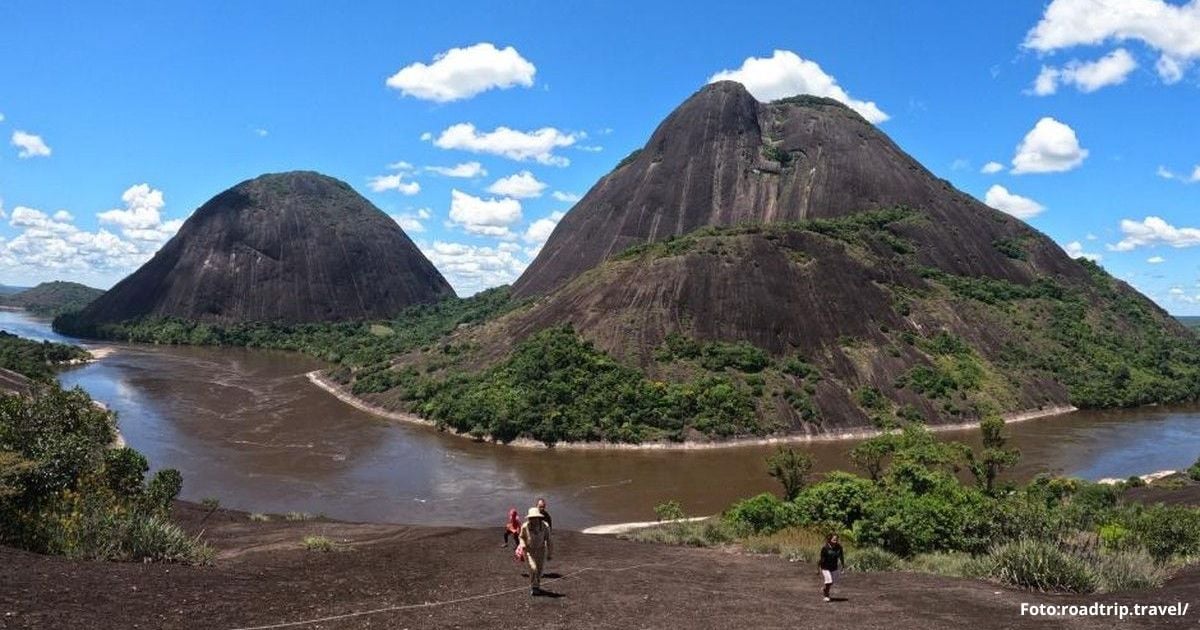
393 576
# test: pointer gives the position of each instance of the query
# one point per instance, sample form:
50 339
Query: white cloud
1156 260
1050 147
991 168
466 170
1169 69
537 145
471 268
412 221
426 137
400 166
1167 173
1176 291
53 247
785 74
1111 69
142 209
567 197
486 217
395 181
1171 29
1154 231
538 231
521 185
30 145
1074 249
461 73
960 164
999 198
261 133
1 117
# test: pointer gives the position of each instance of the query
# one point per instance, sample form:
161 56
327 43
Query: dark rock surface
836 248
287 247
722 158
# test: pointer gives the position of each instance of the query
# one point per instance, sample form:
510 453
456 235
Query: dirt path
264 577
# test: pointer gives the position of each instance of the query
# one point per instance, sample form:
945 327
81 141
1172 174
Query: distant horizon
476 127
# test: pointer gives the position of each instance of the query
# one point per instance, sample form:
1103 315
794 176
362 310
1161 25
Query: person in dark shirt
832 560
541 506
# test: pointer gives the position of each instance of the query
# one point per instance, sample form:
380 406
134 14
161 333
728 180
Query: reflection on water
248 428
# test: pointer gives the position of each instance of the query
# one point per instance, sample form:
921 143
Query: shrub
790 467
669 511
1115 536
707 533
1129 570
801 544
320 543
872 559
764 513
1167 532
1194 471
1041 566
124 470
210 503
298 516
950 564
259 517
163 488
841 498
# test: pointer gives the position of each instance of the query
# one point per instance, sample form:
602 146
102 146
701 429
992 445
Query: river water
247 427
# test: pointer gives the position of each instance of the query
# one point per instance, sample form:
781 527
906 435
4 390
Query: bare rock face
287 247
799 229
723 158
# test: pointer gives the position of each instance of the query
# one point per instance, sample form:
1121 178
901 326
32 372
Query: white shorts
830 576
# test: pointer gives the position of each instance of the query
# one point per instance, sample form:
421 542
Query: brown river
248 428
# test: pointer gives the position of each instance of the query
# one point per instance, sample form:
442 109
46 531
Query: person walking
536 547
512 528
832 560
541 506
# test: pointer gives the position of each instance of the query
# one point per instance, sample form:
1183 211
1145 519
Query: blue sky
130 115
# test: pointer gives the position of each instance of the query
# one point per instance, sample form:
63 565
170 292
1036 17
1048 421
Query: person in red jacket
512 528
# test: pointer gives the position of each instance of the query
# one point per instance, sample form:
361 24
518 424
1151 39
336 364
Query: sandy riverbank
319 379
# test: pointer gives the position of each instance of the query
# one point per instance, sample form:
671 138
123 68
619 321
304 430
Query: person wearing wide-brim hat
536 547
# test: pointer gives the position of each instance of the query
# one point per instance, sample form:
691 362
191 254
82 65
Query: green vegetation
37 360
322 544
1012 247
776 154
63 491
713 356
556 387
628 159
349 343
861 229
790 468
915 514
53 298
669 511
1194 471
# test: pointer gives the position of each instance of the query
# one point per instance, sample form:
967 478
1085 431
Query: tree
994 458
870 456
790 467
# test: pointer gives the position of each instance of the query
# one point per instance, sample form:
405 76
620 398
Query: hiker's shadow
838 599
550 594
551 576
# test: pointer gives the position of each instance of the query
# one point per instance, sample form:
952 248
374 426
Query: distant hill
52 298
1191 321
287 247
9 290
785 268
